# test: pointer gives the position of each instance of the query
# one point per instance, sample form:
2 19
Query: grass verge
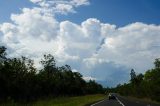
147 100
63 101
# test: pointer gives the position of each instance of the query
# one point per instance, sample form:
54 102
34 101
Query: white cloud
92 62
132 45
74 70
80 2
92 43
59 6
89 78
9 30
31 23
35 1
64 8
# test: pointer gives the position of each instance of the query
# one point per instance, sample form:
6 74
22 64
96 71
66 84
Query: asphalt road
122 101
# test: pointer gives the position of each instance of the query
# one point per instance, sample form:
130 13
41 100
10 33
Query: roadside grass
147 100
63 101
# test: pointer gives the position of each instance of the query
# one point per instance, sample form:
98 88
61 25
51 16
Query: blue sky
119 12
101 39
7 7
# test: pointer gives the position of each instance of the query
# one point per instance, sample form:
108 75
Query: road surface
122 101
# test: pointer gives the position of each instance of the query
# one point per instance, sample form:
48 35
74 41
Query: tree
157 63
48 62
133 76
139 78
93 87
21 81
143 85
2 52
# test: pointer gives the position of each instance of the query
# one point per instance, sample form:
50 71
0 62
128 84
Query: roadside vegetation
146 86
63 101
21 82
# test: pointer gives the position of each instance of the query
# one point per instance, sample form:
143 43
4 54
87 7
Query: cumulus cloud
89 78
96 49
80 2
133 45
59 6
64 8
31 22
109 73
35 1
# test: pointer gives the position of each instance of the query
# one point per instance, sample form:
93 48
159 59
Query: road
122 101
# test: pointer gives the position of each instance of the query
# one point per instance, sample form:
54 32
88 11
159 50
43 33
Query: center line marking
120 102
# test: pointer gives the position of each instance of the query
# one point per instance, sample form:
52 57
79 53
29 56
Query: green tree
21 81
157 63
2 52
133 75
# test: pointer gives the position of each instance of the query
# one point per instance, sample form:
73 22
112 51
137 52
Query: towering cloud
99 50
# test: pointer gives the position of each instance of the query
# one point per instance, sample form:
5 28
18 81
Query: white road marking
98 102
120 102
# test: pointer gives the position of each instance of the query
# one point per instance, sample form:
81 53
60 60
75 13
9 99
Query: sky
101 39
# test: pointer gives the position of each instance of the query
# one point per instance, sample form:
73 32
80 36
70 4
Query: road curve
122 101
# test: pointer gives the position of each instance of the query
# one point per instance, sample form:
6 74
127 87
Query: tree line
145 85
21 81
